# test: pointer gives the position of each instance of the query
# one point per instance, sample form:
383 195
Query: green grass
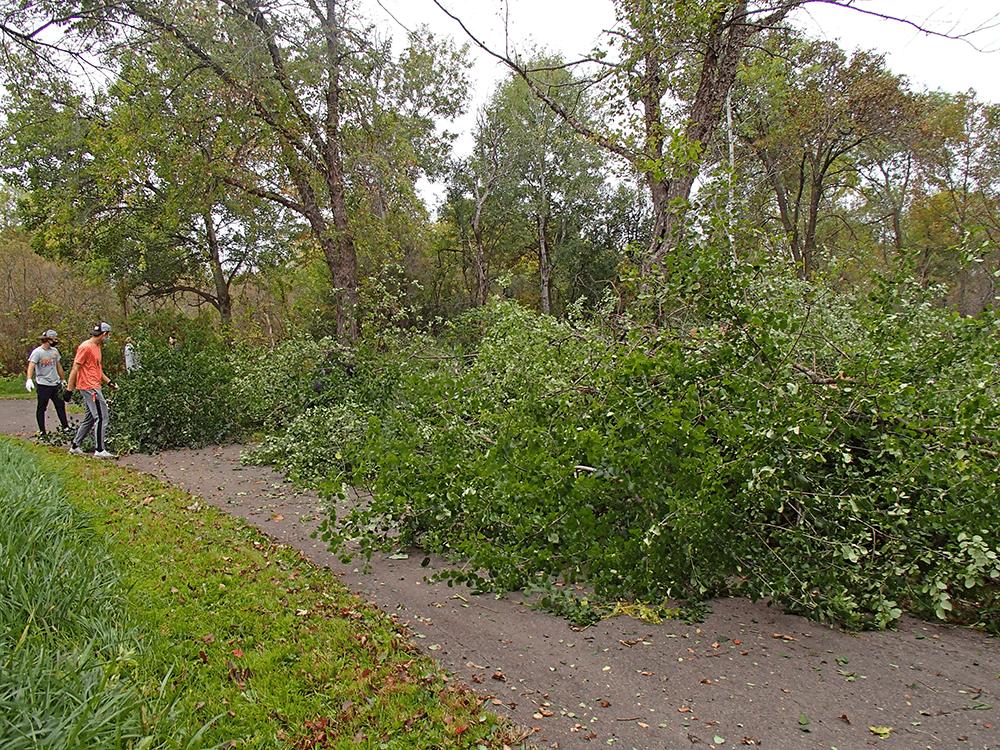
13 387
212 635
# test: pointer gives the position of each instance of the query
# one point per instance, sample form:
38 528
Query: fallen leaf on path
882 732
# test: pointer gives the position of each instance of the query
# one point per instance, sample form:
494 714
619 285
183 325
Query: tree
481 176
140 191
554 174
341 112
665 77
806 111
952 227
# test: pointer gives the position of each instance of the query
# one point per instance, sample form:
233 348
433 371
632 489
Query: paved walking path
747 675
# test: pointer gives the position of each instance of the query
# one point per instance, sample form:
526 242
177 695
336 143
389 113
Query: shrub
274 386
833 453
322 412
313 447
180 397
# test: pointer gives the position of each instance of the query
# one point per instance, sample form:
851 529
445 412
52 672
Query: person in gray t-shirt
46 378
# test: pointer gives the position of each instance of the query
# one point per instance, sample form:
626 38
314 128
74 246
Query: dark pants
45 394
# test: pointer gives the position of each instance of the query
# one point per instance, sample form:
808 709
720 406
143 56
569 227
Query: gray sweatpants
96 417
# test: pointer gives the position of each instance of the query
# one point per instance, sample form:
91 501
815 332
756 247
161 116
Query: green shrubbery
312 447
180 397
766 437
318 400
835 454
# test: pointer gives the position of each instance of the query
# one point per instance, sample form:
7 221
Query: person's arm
71 380
29 384
59 368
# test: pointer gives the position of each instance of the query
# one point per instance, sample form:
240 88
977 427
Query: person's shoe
75 451
103 454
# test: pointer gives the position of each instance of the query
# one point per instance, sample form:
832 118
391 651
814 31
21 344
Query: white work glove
63 384
29 385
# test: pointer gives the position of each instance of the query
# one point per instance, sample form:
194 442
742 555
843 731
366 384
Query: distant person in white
131 355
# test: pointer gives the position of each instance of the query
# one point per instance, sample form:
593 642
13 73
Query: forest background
711 311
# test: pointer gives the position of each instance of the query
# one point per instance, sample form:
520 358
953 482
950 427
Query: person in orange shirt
87 376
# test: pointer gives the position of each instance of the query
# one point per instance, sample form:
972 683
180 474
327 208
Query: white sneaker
76 451
103 454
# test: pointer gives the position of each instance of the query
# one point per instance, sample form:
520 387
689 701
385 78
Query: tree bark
544 265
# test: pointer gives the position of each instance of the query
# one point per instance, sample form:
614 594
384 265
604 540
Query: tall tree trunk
722 50
344 257
224 302
544 265
479 249
482 286
812 222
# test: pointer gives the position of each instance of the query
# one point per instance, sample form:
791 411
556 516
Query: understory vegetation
135 617
773 439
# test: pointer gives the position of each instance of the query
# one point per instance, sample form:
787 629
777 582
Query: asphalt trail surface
748 675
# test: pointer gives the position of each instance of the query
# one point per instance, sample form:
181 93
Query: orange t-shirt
88 356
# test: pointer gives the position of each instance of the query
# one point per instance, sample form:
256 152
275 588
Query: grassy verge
13 387
225 639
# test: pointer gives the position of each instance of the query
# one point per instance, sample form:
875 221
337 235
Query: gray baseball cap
101 328
49 334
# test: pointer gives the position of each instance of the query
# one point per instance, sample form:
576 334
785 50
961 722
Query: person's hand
112 386
29 385
67 396
63 384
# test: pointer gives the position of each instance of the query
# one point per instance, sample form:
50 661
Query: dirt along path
747 675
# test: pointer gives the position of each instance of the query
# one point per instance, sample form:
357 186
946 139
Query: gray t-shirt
46 372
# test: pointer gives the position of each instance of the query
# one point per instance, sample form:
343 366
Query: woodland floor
747 675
